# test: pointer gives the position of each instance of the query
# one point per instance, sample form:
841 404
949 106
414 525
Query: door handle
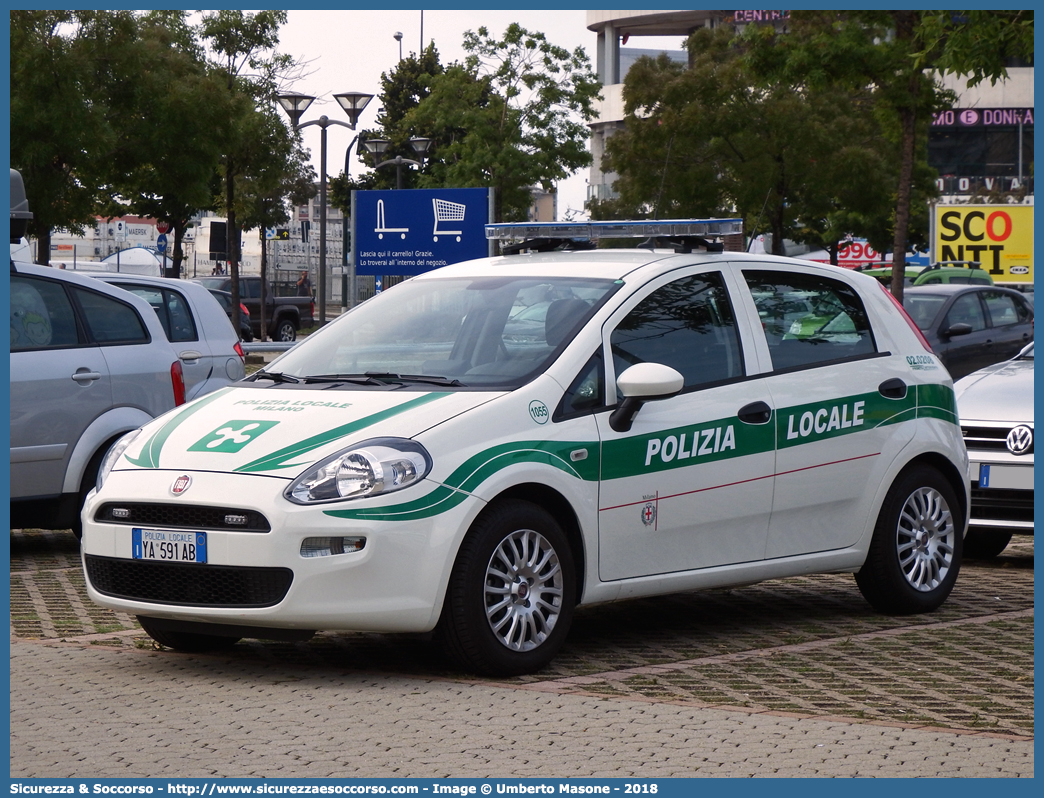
894 388
84 376
189 354
755 413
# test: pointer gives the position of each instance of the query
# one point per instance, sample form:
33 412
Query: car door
1011 324
963 354
60 382
839 410
183 330
689 485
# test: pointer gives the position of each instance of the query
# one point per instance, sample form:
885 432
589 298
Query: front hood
279 433
1002 392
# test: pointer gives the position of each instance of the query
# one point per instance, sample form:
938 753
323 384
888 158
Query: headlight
376 466
113 456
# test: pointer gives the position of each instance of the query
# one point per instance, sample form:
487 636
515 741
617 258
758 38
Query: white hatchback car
681 420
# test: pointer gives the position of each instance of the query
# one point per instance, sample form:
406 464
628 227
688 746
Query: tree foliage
121 112
511 116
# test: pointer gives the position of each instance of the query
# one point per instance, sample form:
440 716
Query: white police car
482 448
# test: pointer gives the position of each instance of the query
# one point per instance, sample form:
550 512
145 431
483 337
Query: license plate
169 546
1005 477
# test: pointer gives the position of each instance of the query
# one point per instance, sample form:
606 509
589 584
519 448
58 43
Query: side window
154 297
687 325
251 289
42 316
1003 309
809 319
110 321
587 391
966 310
932 281
182 325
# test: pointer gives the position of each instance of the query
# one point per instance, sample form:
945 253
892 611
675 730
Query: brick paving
777 664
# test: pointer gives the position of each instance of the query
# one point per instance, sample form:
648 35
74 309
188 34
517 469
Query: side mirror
641 383
961 328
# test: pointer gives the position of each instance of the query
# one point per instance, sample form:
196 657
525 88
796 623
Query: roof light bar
668 228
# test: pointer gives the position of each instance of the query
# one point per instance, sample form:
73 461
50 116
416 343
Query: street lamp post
295 105
377 148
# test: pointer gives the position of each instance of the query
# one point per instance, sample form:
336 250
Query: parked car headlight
369 468
113 456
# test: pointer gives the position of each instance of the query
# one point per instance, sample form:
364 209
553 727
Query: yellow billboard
1000 237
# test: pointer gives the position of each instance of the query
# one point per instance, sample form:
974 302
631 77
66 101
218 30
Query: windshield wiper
275 376
384 378
425 378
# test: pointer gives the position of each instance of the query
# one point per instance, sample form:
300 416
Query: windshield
486 332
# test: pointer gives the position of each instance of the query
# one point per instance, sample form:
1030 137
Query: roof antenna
755 230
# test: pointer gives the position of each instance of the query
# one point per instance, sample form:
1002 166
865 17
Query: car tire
915 553
511 592
90 477
286 331
189 642
981 544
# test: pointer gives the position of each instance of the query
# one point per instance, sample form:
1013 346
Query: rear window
110 321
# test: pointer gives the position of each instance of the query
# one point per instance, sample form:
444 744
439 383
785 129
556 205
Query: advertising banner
416 230
999 237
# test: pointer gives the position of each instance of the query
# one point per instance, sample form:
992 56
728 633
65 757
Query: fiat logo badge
181 484
1020 440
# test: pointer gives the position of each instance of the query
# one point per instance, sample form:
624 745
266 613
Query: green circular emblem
538 412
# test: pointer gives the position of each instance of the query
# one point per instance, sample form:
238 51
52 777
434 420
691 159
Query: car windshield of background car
485 332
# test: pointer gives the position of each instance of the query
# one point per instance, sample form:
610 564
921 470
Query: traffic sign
161 243
121 230
162 227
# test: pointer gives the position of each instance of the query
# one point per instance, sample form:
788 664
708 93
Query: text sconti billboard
416 230
1000 237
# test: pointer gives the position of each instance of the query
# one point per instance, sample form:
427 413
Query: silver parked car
996 410
89 362
195 324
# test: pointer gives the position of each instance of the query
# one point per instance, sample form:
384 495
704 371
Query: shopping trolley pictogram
381 229
446 211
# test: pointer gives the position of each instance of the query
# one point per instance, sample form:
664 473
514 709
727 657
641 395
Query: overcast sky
348 51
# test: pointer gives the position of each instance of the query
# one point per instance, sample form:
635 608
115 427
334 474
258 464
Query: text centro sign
999 237
413 231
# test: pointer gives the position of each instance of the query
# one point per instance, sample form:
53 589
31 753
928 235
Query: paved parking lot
790 677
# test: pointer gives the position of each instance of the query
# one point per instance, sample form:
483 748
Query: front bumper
395 583
1001 493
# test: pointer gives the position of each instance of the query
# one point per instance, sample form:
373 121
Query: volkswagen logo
1020 440
181 484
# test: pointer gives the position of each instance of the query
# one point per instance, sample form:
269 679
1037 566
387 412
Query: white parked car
673 426
996 409
196 326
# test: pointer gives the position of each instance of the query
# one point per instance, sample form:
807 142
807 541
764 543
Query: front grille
1001 504
182 516
987 439
187 584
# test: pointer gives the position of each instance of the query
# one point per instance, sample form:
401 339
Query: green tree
172 99
64 66
727 134
510 117
901 54
279 170
242 45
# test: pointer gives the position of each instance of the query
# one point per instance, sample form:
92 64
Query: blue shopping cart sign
416 230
